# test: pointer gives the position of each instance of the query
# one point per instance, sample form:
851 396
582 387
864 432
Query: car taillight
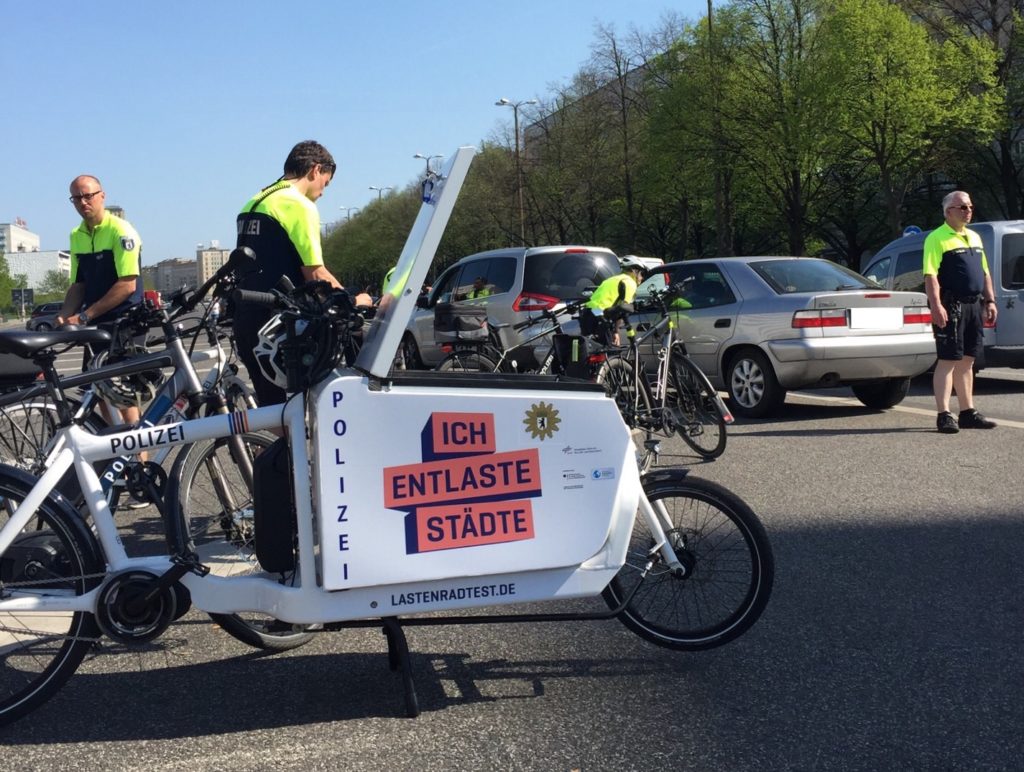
816 319
916 315
527 301
577 251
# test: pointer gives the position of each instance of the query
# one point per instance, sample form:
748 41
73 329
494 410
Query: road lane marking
850 401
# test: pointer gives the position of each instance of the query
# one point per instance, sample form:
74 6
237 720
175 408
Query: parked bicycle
677 398
493 353
388 477
214 477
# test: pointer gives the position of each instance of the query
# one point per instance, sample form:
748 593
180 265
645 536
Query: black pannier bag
571 355
274 521
460 322
16 372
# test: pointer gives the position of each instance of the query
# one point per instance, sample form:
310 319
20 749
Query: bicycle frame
177 398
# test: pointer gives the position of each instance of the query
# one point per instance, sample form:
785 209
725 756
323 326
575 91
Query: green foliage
55 283
778 126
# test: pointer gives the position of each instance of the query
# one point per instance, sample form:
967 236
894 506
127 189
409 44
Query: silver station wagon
758 326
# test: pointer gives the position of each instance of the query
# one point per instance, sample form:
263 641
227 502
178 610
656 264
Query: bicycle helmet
126 390
316 349
267 350
631 263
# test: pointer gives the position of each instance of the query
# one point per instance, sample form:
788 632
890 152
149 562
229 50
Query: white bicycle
413 493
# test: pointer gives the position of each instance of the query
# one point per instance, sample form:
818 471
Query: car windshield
809 275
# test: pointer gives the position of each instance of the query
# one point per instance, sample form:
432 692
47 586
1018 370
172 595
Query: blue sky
185 109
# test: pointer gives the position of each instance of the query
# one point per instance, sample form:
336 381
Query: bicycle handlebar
257 298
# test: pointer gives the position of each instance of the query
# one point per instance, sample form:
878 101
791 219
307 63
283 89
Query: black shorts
597 327
963 335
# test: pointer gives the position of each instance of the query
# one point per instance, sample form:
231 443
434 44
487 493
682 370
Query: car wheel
883 394
408 355
753 388
43 327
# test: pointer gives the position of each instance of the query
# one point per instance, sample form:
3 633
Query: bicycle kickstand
398 659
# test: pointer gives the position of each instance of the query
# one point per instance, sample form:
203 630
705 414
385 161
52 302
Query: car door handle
719 323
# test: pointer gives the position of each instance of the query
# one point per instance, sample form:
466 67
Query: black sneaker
947 424
972 419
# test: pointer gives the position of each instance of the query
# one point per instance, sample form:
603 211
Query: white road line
902 408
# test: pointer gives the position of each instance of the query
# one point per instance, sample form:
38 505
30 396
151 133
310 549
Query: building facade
171 275
16 237
209 259
35 265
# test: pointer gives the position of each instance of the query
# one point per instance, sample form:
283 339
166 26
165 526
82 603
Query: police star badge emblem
542 421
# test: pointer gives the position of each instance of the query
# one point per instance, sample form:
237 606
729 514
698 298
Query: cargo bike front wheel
726 559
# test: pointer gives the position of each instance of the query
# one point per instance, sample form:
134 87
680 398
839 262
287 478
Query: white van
897 266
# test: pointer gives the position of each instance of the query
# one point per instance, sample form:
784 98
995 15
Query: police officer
613 292
480 289
281 225
962 299
105 254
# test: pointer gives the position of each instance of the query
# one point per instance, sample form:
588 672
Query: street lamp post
503 102
428 159
380 191
348 210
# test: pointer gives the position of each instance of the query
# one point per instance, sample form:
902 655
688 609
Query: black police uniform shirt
101 257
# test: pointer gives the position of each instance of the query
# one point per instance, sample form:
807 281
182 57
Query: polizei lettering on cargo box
147 438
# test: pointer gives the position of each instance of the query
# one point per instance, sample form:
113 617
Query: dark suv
511 283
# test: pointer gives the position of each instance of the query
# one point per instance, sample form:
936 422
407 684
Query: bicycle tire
223 533
467 361
27 427
698 420
730 568
616 375
40 651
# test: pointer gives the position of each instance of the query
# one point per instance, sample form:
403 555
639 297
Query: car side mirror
421 301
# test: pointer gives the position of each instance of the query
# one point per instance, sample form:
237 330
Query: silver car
761 325
513 284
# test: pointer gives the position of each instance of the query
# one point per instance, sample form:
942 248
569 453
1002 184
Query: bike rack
398 644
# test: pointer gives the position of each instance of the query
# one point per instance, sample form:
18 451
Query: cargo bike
410 497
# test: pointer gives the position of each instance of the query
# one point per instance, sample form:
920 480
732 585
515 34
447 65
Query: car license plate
876 318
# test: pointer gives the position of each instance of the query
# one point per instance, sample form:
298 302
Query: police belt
968 299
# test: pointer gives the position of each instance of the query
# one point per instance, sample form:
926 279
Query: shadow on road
885 647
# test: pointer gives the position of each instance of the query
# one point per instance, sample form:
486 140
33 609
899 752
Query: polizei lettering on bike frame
147 438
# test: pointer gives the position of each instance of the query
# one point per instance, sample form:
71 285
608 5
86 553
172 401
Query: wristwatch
992 301
83 319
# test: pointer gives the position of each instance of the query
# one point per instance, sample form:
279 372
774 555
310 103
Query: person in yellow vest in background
480 289
616 292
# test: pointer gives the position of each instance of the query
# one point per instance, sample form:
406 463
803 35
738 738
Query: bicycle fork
657 520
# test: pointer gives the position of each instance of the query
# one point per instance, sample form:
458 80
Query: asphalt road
893 640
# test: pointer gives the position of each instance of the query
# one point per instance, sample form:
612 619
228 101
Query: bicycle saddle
28 344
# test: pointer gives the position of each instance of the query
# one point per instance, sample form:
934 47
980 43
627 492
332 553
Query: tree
995 171
903 98
55 283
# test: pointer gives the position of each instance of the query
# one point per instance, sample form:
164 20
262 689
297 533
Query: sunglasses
84 196
963 208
